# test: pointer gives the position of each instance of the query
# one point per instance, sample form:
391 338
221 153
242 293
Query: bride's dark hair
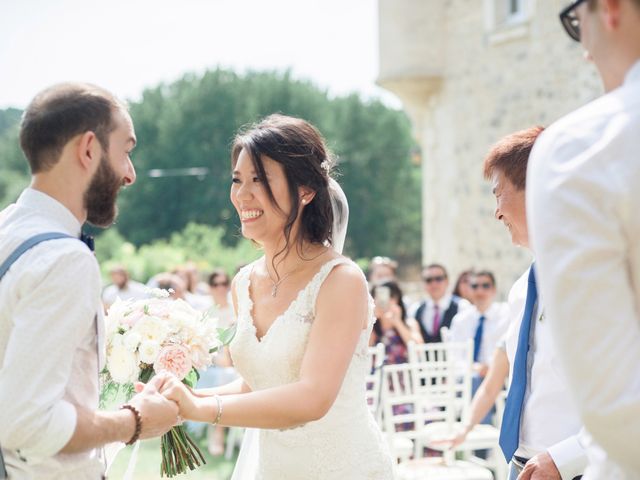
300 148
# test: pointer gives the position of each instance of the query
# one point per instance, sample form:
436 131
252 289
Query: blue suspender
4 268
26 245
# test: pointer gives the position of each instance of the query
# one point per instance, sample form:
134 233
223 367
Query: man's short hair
510 156
58 114
436 265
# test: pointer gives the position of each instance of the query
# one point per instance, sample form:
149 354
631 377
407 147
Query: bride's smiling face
262 220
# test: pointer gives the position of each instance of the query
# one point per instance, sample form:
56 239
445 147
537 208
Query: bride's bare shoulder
346 276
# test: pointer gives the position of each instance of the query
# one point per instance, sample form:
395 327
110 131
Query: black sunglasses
485 285
437 278
220 284
570 21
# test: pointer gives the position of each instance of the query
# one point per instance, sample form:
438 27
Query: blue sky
126 46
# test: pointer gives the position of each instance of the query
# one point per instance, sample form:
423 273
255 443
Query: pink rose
175 359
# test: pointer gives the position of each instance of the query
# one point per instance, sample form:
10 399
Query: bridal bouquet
145 337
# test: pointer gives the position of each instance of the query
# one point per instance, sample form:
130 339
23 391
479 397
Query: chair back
443 373
373 379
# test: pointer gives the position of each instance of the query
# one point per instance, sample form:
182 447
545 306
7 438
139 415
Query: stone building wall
466 78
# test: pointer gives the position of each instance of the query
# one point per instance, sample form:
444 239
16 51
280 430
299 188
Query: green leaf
192 378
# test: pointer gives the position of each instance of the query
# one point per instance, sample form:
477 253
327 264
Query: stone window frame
502 24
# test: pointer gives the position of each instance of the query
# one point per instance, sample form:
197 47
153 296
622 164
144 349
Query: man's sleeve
570 457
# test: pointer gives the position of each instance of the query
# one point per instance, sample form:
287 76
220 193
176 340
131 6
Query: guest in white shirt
77 140
582 203
439 308
485 322
540 429
122 287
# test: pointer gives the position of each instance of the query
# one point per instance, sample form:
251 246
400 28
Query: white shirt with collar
583 200
465 323
549 420
48 344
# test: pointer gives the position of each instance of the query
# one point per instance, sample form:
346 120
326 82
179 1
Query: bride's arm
341 314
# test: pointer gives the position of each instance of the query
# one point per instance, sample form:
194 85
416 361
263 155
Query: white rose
152 328
148 351
131 340
122 365
116 340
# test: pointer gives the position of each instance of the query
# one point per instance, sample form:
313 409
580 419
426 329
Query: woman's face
261 220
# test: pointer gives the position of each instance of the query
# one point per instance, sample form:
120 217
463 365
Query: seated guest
485 322
381 270
391 327
462 288
122 287
439 308
222 372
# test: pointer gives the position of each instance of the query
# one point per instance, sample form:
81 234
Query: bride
304 317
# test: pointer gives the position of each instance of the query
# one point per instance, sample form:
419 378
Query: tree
191 123
14 170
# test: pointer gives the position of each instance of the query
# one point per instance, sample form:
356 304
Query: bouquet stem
179 452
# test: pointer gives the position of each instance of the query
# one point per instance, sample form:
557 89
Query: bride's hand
173 389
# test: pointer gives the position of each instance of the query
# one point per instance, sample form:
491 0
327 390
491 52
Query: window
507 20
515 11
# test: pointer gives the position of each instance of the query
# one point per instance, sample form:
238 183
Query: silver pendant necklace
275 285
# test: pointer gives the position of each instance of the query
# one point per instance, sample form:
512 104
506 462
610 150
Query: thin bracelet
138 418
219 415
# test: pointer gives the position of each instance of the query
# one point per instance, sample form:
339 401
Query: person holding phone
392 327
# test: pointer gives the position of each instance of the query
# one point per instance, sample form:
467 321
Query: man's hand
540 467
158 413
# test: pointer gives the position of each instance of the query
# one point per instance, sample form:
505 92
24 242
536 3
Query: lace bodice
346 443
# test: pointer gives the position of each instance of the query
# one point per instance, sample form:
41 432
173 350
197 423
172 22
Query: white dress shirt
465 323
583 196
549 420
48 344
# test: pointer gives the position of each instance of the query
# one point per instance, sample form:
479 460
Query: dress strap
320 277
242 287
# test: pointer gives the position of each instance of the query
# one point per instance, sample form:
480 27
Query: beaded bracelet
219 415
136 414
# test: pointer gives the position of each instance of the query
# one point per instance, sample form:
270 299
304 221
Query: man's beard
100 198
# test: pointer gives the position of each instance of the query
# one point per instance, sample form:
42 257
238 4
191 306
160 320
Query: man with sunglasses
485 323
439 308
582 205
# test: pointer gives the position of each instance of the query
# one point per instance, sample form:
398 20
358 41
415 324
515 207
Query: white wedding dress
346 443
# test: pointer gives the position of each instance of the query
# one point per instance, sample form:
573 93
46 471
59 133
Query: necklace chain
275 284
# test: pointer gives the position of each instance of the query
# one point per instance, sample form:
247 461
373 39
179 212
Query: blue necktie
88 241
477 338
510 430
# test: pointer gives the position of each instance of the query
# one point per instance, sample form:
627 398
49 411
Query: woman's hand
173 389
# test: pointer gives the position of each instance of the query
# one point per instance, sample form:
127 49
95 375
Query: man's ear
611 12
306 195
89 151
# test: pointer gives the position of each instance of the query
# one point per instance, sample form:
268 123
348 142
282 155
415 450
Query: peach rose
175 359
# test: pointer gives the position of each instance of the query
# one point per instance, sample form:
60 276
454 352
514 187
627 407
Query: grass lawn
148 465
